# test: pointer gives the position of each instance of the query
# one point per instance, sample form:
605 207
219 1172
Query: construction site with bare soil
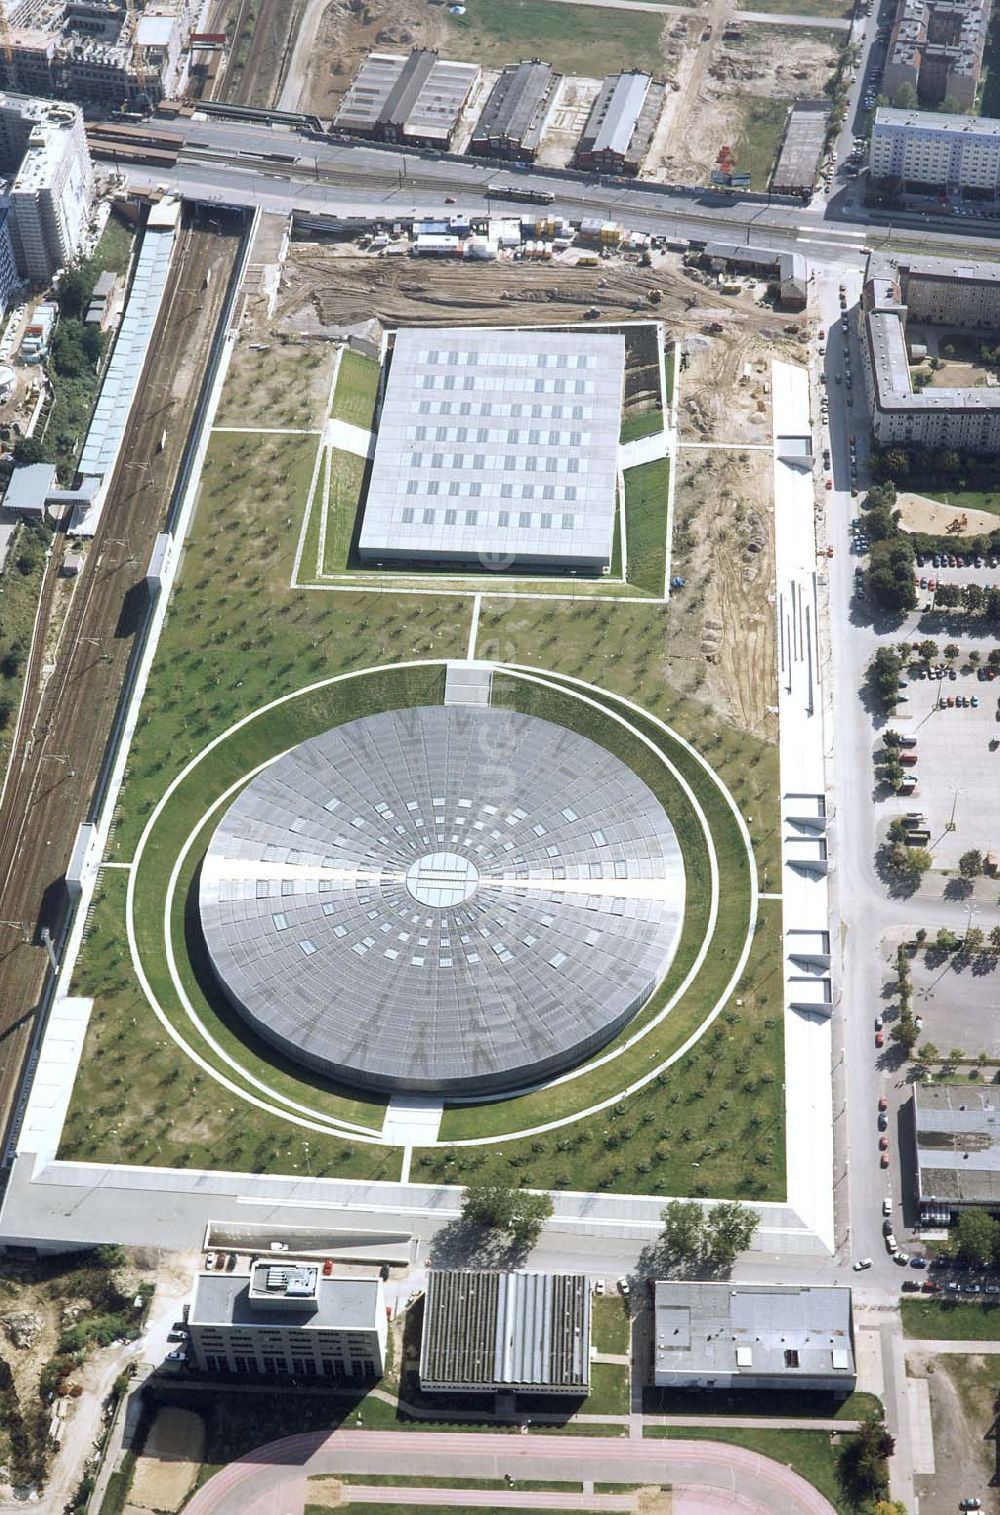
721 640
730 83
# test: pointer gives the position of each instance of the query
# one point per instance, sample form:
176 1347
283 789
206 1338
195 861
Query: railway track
69 708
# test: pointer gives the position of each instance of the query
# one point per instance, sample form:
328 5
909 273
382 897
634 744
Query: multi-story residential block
42 144
292 1319
937 291
98 53
928 151
936 48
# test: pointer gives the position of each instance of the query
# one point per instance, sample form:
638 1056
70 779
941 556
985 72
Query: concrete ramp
468 683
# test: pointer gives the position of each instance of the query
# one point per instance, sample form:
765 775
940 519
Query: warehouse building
927 152
497 450
514 115
753 1336
789 270
416 98
958 1150
621 123
936 291
801 148
290 1319
487 1333
43 147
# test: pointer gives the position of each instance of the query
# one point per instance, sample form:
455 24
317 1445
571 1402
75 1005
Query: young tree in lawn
970 864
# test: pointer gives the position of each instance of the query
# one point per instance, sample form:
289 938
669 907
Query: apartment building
290 1319
928 151
43 147
936 48
937 291
98 53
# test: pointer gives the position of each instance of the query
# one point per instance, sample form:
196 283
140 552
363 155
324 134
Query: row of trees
693 1235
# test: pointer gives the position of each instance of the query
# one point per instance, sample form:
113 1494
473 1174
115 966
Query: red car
883 1144
879 1039
883 1103
883 1161
829 483
930 1288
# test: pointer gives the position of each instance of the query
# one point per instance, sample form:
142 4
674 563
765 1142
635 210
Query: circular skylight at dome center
442 878
447 899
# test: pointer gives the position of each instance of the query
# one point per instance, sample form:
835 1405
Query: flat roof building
497 450
511 122
937 49
935 291
753 1336
42 144
291 1319
488 1332
958 1147
801 148
929 151
416 98
621 124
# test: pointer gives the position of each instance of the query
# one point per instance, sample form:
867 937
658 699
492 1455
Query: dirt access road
70 702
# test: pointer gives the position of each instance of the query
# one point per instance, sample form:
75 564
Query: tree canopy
521 1213
712 1237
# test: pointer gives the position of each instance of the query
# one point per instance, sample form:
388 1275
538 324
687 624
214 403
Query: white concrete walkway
348 438
806 904
644 450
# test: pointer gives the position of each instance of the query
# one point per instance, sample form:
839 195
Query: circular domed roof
445 899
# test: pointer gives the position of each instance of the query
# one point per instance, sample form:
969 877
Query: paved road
730 1473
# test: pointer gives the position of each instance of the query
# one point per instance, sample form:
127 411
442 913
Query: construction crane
138 65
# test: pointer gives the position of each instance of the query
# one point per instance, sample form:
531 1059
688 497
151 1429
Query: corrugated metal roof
121 379
485 1331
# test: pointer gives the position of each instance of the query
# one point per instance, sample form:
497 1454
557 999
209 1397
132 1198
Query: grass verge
575 39
811 1454
642 423
356 391
646 524
947 1320
609 1323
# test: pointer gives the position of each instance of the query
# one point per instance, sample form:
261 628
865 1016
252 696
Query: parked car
887 1205
918 1262
883 1144
879 1040
902 1258
891 1244
970 1504
861 1264
883 1104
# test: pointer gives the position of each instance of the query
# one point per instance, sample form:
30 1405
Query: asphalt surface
69 707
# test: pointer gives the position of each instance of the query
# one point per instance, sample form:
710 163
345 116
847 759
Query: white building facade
288 1319
42 143
928 150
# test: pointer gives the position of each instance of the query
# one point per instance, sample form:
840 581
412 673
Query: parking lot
958 762
957 1003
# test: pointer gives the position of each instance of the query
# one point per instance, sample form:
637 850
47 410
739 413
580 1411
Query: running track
707 1477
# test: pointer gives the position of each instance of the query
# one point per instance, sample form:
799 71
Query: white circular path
254 1091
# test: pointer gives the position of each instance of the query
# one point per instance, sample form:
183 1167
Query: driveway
705 1476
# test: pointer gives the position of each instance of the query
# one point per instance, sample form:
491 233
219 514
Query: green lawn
609 1323
646 524
642 423
236 637
343 486
356 391
822 10
943 1320
19 593
609 1390
964 499
809 1453
758 137
575 39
